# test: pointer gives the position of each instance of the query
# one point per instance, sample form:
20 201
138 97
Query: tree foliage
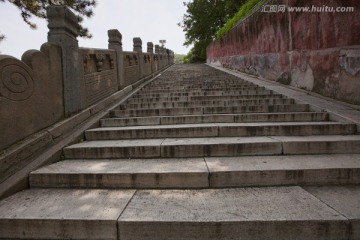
37 8
244 11
202 20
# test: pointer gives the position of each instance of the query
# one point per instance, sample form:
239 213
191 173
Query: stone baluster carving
99 61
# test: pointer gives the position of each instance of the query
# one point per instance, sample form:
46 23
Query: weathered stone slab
202 98
156 112
215 118
343 199
14 159
31 93
122 173
220 146
282 117
320 144
162 131
191 119
245 213
136 121
285 129
62 214
213 103
258 109
209 93
115 149
284 170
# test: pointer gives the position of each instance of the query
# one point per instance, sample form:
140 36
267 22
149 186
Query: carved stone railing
51 92
98 76
31 93
62 79
131 67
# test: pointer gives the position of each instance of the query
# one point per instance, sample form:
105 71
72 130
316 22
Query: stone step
216 118
173 147
213 147
208 93
197 85
203 89
200 86
279 213
221 130
325 169
180 82
210 110
213 172
157 112
123 173
242 213
202 98
213 103
63 214
258 109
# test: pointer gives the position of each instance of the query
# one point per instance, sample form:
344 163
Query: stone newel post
157 48
115 43
63 30
138 48
158 56
150 50
150 47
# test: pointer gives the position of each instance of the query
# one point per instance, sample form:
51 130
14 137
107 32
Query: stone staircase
198 154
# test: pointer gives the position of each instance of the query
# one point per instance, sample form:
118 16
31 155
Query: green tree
37 8
202 20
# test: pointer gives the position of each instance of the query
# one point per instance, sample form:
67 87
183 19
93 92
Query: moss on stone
243 12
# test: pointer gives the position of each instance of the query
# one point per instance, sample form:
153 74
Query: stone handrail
62 81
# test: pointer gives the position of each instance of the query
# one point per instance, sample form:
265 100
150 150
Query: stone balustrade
50 96
62 79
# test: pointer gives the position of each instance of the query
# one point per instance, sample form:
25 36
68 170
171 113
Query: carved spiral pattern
16 83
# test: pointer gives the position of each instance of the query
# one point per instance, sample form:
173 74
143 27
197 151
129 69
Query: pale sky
151 20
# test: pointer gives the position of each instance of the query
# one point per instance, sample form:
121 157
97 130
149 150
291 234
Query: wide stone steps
202 98
210 110
197 90
213 146
221 130
209 172
201 155
198 87
215 118
213 103
208 93
238 213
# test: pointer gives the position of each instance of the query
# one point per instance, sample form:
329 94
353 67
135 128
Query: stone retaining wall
317 51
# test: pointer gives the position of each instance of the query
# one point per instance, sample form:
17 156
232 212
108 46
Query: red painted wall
317 51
